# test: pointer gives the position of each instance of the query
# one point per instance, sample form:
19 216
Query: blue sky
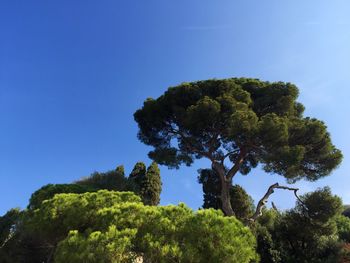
72 73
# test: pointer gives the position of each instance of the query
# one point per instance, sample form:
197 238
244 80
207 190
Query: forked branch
270 191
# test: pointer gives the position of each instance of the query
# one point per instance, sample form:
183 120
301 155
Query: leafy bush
107 226
343 226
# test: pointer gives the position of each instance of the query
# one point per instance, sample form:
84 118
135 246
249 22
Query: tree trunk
225 198
225 189
226 179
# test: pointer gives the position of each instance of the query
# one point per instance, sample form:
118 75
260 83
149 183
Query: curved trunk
225 198
225 189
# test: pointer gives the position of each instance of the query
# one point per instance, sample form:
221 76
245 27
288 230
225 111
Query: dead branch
270 191
274 206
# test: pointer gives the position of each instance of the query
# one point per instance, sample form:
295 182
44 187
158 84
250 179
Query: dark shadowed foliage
48 191
242 203
308 233
111 180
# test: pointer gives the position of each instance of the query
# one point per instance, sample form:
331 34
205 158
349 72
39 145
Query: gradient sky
72 73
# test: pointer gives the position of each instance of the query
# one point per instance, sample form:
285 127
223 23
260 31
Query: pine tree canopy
234 118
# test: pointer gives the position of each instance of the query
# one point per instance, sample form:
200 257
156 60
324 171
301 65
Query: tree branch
231 173
274 206
227 155
190 145
270 191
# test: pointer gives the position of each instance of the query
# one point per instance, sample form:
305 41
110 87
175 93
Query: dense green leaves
110 246
116 226
312 232
147 183
343 227
137 175
151 185
208 117
108 226
17 243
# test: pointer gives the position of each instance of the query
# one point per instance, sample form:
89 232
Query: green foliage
8 236
266 245
7 225
264 230
307 233
151 185
211 188
49 190
346 211
343 226
147 183
242 203
248 121
112 180
108 226
137 176
57 216
111 246
17 244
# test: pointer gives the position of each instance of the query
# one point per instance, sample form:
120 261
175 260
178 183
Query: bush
107 226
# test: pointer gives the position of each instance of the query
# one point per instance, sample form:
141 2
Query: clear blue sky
72 73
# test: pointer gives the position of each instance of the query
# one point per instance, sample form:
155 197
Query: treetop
257 121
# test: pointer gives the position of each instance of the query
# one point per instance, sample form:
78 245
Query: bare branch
295 190
270 191
274 206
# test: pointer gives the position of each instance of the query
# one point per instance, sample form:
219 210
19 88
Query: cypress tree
137 176
151 186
